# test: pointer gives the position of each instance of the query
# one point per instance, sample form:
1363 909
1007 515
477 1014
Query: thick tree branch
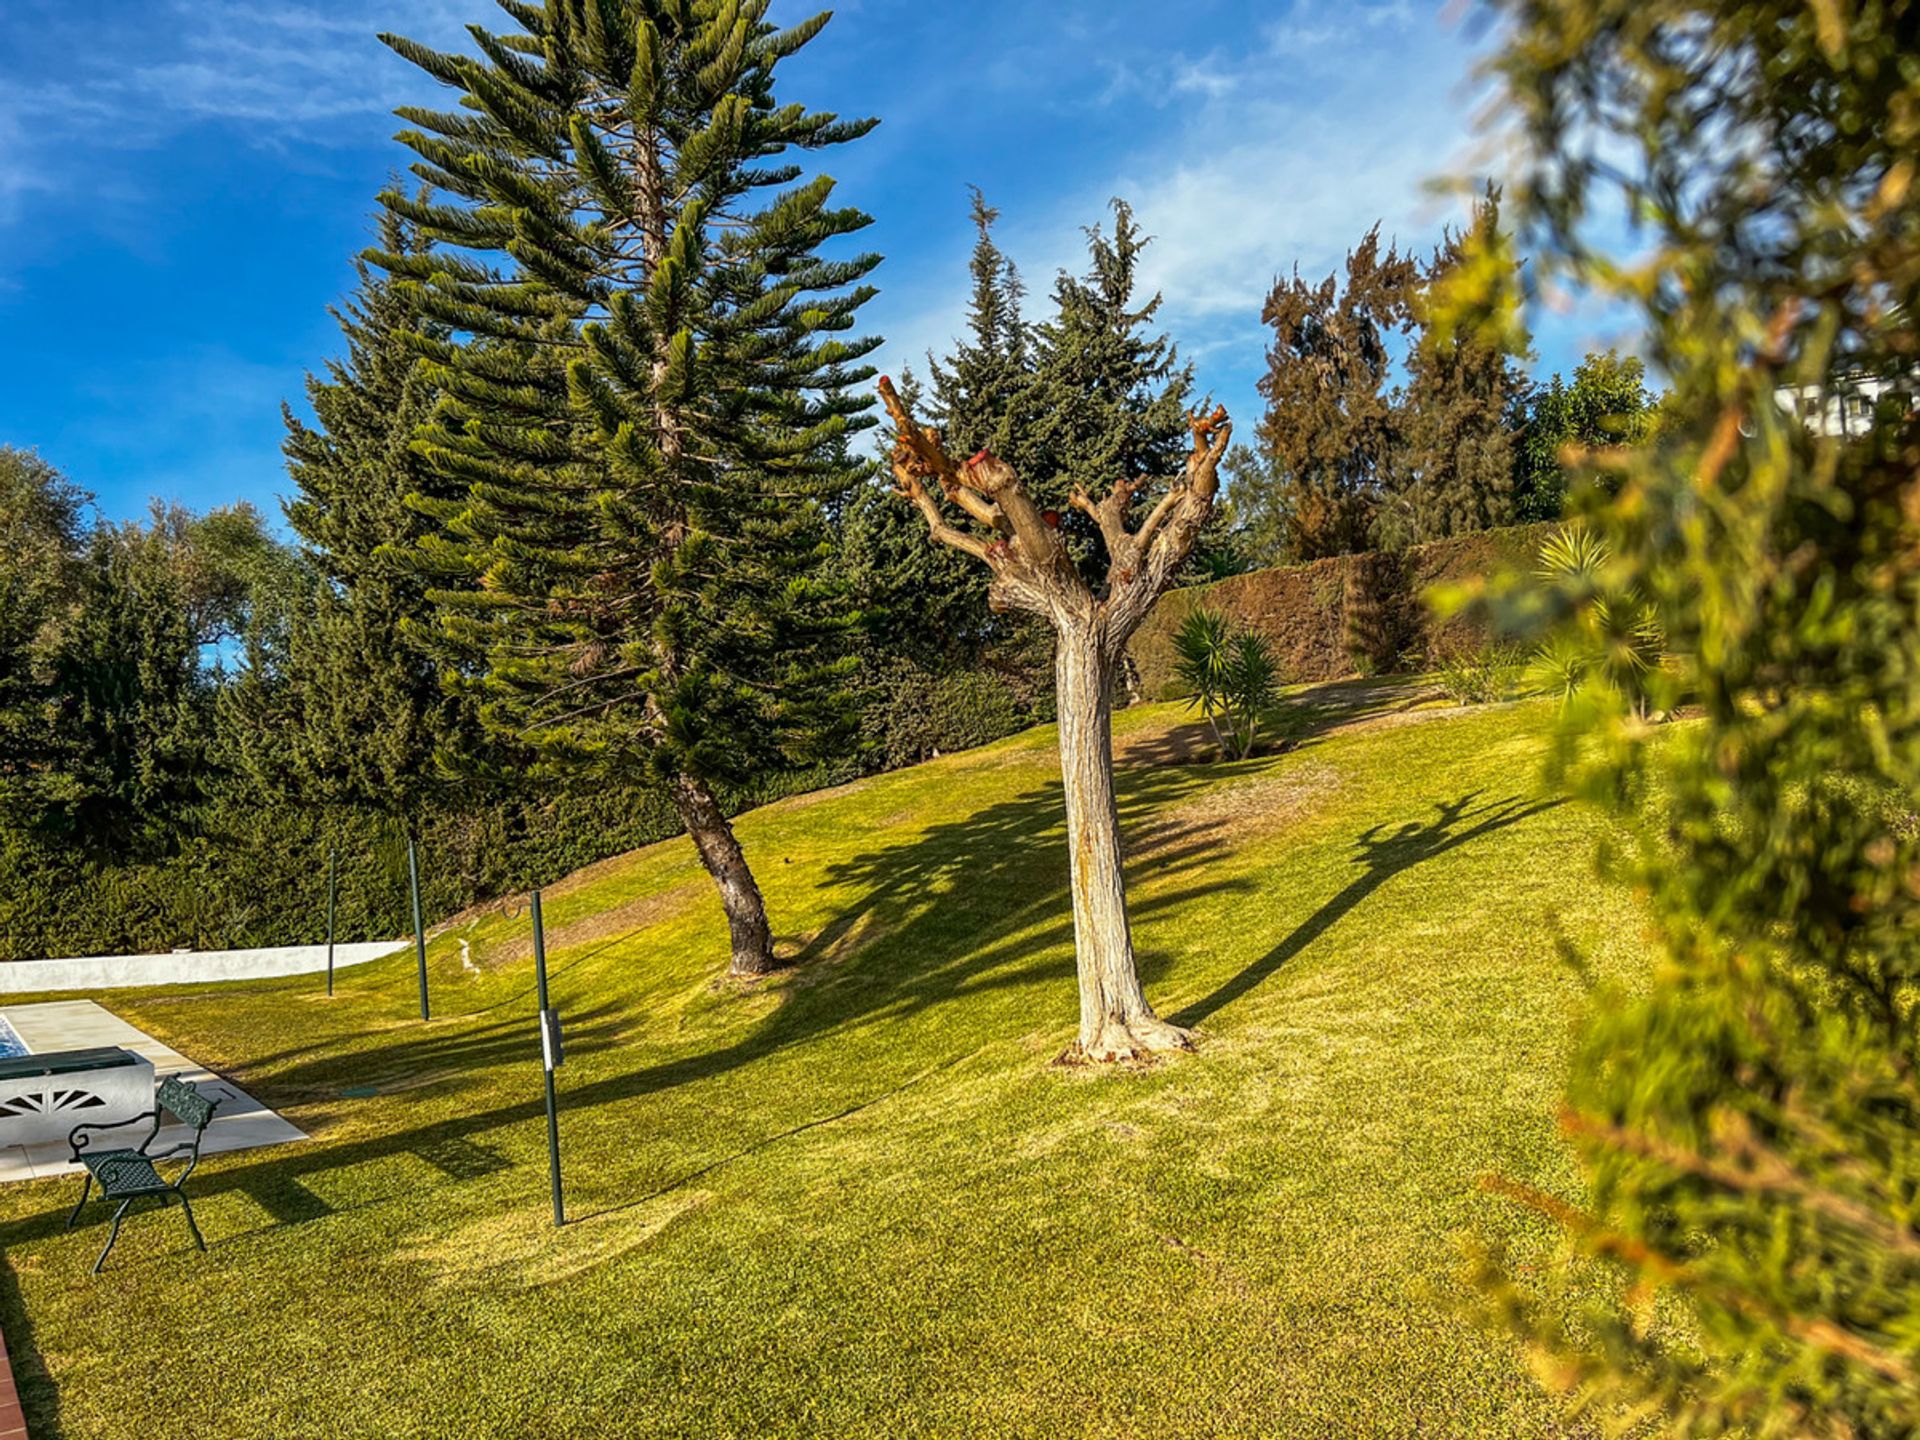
1031 567
1153 557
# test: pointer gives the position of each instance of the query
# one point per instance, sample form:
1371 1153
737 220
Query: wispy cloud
278 68
1246 171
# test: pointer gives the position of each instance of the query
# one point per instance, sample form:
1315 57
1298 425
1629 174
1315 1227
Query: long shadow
1381 854
1299 718
39 1396
970 907
407 1061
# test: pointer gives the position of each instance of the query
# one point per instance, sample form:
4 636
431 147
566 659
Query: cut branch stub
1033 569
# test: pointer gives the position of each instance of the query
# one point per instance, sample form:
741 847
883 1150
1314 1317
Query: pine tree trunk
1115 1020
720 852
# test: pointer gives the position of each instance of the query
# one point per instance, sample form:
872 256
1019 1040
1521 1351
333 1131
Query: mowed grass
862 1201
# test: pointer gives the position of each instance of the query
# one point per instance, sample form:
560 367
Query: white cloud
1248 169
297 64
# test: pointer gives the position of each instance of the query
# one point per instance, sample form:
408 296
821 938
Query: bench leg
187 1206
113 1234
85 1190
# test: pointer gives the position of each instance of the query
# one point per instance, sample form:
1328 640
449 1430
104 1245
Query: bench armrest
190 1149
78 1143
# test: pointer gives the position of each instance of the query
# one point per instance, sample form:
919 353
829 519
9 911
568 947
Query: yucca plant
1228 675
1616 640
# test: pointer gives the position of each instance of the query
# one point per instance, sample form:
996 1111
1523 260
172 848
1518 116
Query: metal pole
548 1058
419 927
332 880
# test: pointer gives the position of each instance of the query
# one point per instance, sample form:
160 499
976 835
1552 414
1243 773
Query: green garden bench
127 1175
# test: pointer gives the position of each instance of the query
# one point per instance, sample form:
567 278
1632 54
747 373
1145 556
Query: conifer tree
1453 461
1090 392
1330 430
1108 396
974 388
362 712
646 396
920 603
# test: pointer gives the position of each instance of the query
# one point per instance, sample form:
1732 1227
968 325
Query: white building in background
1848 408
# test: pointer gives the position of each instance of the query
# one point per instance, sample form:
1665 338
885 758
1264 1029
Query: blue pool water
10 1041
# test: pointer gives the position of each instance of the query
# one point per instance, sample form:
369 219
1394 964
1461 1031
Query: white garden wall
186 967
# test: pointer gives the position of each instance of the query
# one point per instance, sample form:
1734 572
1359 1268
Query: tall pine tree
1109 396
1454 462
646 398
363 711
1330 431
975 387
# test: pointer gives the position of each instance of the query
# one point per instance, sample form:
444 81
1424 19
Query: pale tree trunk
740 897
1033 570
1116 1022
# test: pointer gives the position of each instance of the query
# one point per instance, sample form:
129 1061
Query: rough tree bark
1032 570
706 822
740 895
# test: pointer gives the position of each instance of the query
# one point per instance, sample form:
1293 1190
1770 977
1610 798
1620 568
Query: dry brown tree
998 523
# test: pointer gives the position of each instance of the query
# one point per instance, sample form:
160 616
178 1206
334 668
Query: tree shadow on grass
1381 853
1298 719
39 1396
408 1059
971 907
968 909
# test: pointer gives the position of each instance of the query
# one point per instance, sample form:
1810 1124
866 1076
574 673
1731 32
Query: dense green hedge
1312 613
254 872
920 713
257 874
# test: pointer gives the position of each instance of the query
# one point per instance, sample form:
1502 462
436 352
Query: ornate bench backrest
181 1100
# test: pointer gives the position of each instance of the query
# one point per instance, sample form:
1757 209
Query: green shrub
1482 676
914 714
1226 674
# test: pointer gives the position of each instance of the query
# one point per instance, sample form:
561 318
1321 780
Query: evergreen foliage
974 388
1089 394
1453 468
646 397
1606 404
1109 397
1330 431
1258 509
1749 1125
351 710
40 558
1226 672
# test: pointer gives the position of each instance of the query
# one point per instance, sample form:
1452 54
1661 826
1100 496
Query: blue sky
183 184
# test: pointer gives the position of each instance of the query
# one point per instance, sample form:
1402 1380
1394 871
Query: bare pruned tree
998 523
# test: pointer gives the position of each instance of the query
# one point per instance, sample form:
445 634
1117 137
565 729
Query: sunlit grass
861 1201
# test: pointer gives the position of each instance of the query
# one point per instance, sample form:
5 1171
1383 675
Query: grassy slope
861 1202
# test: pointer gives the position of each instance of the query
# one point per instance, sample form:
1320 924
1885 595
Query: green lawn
862 1201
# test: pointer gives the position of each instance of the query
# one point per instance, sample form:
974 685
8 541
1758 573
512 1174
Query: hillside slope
860 1201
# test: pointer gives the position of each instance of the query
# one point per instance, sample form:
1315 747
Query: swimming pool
10 1041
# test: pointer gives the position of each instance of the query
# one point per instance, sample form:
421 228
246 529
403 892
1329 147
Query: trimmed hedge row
256 874
1342 616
